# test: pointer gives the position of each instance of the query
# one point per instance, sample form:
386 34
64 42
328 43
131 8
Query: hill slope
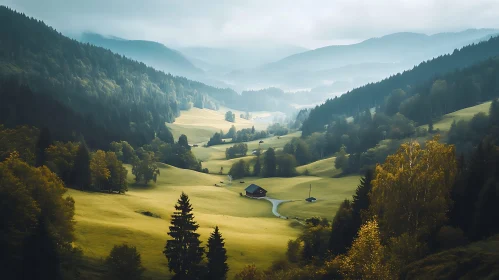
118 94
419 80
478 260
151 53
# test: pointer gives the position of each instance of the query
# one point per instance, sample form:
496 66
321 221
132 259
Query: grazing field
253 234
330 192
464 114
214 156
320 168
200 124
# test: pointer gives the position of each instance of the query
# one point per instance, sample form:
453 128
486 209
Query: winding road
275 204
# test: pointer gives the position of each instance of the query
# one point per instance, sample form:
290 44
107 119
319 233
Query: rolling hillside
151 53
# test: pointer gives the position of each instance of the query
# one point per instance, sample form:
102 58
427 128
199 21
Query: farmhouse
255 191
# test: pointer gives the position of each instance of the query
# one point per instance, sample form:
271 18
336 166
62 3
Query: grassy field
253 234
213 157
464 114
200 124
320 168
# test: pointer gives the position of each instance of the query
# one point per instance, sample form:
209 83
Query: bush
239 169
124 263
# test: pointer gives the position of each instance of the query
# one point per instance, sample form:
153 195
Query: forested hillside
463 84
126 98
151 53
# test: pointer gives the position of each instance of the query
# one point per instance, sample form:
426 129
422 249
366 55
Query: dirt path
275 204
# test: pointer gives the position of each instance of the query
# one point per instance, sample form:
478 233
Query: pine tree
257 168
270 163
81 175
44 141
217 256
360 202
183 251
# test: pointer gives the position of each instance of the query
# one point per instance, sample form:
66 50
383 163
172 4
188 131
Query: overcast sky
308 23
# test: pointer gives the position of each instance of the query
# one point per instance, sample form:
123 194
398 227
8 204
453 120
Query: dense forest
411 81
369 136
122 96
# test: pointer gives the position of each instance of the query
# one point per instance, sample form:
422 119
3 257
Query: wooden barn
255 191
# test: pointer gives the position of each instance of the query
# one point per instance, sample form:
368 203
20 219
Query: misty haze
249 140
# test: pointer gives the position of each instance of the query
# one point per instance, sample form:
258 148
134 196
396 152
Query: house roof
253 188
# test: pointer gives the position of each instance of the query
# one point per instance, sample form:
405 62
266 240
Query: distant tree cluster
230 117
238 136
277 129
246 116
238 150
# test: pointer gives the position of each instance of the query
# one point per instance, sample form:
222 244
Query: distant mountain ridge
373 59
396 47
153 54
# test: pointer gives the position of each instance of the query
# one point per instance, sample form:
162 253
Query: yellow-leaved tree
411 190
365 259
99 170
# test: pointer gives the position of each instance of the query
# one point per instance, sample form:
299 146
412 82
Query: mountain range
367 61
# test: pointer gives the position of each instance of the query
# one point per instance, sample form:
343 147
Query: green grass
330 192
320 168
247 225
200 124
213 157
464 114
252 234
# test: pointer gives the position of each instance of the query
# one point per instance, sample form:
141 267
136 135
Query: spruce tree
360 202
183 251
270 163
44 141
217 256
257 168
81 169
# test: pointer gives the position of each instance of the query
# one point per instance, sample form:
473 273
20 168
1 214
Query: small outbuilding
255 191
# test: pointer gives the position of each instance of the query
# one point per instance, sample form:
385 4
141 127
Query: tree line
237 136
122 98
374 94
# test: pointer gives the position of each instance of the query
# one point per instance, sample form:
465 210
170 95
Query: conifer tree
270 163
360 202
44 141
257 168
81 175
217 256
183 251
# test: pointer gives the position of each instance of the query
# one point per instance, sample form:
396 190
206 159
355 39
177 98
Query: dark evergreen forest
467 85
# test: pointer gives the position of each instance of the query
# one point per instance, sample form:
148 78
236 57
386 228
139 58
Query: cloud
256 22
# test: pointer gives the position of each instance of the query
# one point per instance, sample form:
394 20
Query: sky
236 23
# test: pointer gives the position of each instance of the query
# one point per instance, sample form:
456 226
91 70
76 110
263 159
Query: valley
248 225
